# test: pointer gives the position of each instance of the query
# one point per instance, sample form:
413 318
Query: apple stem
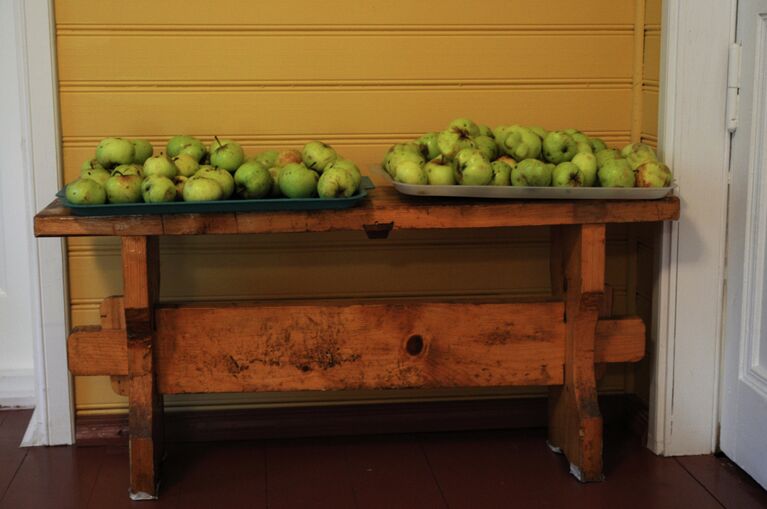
217 141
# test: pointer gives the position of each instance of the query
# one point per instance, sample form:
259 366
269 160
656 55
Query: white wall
16 319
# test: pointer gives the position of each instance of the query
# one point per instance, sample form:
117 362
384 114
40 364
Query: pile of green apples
127 171
473 154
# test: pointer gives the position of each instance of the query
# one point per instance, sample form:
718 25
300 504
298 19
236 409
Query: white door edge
687 317
52 422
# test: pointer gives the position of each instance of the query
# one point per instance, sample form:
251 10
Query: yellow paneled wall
360 75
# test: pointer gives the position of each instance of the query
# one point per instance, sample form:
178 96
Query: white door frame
52 422
687 322
684 406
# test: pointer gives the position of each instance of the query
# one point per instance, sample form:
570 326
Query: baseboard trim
17 388
624 410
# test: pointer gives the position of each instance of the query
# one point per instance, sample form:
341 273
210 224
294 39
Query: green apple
142 150
275 171
487 146
579 137
158 189
587 163
252 180
317 155
398 155
519 143
194 148
635 147
538 131
605 155
472 168
411 172
160 165
464 126
128 169
91 164
501 173
176 143
112 152
485 130
653 174
226 154
559 147
100 175
532 172
500 132
336 182
429 145
349 166
438 173
266 158
123 189
450 142
298 181
508 160
583 147
568 174
286 157
640 155
616 173
180 182
597 144
221 176
85 191
186 165
202 189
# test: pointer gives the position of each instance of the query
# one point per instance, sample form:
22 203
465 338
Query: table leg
575 424
140 259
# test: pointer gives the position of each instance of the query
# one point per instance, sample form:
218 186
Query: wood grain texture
575 424
250 347
140 257
384 205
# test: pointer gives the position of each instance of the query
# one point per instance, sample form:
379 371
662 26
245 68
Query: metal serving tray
533 193
233 205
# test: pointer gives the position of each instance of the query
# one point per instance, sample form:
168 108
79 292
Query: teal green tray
233 205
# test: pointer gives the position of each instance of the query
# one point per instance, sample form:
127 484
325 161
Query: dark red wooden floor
475 470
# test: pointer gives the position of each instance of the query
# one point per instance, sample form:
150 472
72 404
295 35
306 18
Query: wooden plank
92 351
362 110
237 332
140 256
575 424
271 57
385 205
403 13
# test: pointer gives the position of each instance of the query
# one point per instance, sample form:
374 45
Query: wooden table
172 348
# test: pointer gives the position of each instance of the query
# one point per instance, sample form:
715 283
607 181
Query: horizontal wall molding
132 86
453 30
335 86
337 245
251 138
618 291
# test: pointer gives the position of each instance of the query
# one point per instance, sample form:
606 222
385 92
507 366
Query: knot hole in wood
414 345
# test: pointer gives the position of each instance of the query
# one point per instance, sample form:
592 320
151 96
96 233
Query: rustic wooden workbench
172 348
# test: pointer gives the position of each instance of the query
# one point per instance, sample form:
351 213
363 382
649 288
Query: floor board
475 469
730 485
309 473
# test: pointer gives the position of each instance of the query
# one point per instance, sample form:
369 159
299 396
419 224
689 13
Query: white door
16 319
744 396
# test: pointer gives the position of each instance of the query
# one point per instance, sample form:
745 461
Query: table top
384 210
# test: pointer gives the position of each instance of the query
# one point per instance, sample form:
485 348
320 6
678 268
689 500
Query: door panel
744 398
